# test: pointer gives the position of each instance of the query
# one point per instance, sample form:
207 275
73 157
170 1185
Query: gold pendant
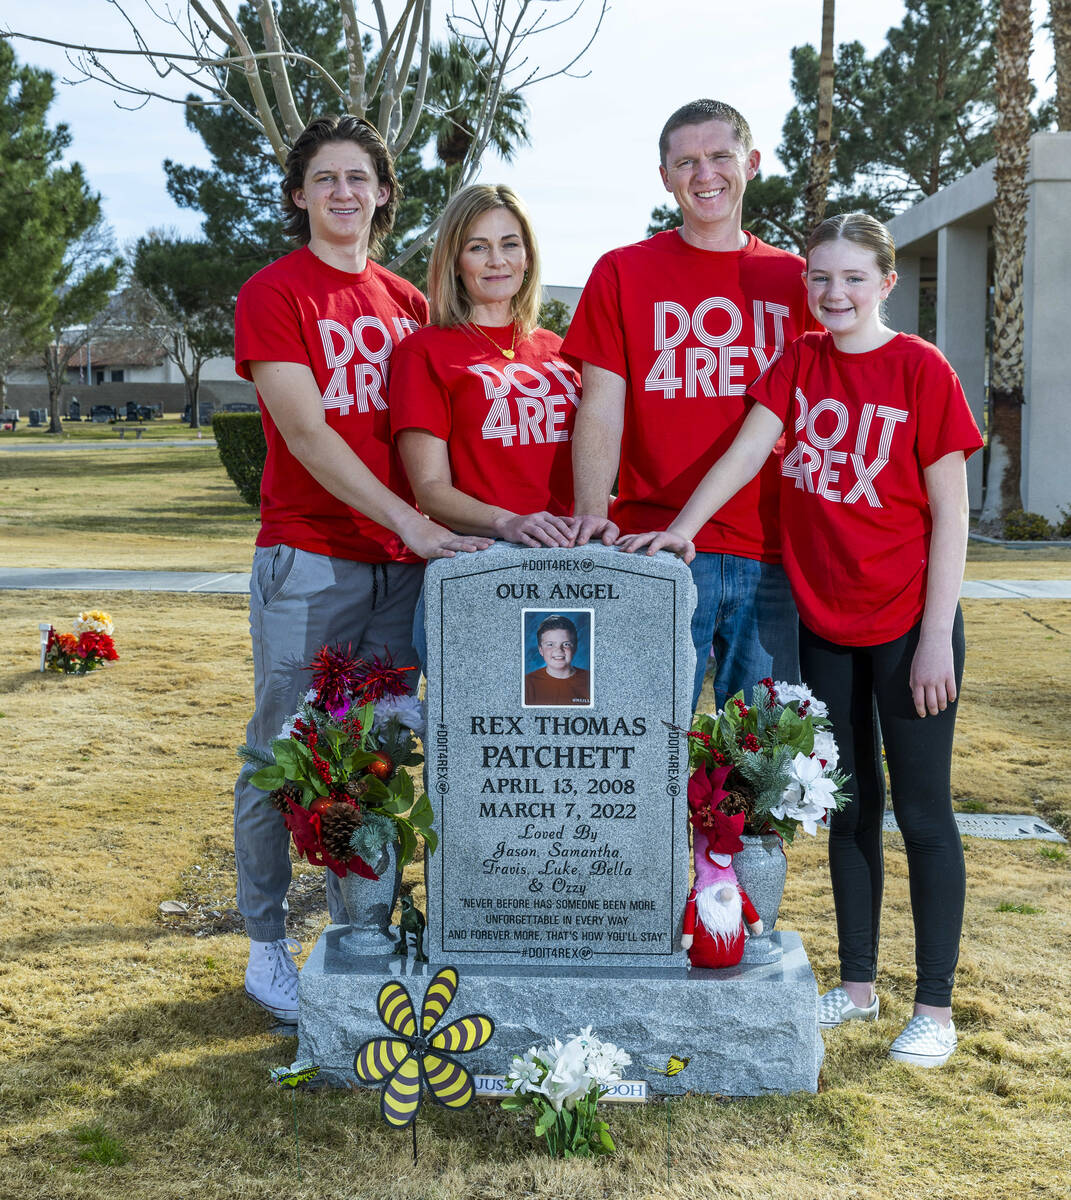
510 354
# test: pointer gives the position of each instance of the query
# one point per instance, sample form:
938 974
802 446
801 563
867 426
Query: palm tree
822 150
1060 24
458 83
1012 140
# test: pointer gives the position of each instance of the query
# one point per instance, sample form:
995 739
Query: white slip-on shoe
271 979
835 1007
924 1042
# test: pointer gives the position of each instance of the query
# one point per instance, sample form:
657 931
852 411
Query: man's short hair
698 112
320 132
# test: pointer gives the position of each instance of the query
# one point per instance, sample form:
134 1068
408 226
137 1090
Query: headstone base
748 1029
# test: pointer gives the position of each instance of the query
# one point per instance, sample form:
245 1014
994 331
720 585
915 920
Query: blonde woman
482 400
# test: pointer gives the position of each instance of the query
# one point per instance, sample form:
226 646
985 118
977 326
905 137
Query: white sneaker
271 979
924 1043
835 1007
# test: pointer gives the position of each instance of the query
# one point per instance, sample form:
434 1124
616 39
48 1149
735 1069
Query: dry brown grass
123 506
1014 562
116 786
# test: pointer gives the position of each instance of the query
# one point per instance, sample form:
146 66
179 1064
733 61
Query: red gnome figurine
722 906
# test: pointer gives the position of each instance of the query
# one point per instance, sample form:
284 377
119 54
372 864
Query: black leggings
863 685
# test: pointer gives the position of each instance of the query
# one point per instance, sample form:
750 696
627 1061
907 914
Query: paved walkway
77 579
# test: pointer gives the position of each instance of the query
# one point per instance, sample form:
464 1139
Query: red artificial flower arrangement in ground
77 655
336 773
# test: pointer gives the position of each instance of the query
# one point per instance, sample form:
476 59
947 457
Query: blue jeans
299 602
747 614
420 633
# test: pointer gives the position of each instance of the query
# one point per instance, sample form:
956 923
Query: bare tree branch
280 80
205 16
354 57
421 90
215 51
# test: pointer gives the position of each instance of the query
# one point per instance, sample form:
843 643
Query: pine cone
337 826
733 802
740 798
357 787
278 798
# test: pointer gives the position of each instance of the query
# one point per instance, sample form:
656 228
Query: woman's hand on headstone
601 528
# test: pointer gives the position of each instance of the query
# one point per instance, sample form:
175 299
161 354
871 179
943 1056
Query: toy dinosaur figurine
411 922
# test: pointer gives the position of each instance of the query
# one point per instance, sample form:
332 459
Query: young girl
874 531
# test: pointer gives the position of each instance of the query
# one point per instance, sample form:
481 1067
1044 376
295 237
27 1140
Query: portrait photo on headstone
557 657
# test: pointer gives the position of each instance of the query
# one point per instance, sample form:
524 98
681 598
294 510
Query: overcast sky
590 176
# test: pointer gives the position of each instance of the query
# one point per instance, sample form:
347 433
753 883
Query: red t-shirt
507 425
690 330
344 327
860 430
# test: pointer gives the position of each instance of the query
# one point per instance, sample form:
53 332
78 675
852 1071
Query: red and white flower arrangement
336 771
90 645
774 760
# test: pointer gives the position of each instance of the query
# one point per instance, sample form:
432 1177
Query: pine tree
185 292
44 208
239 195
906 122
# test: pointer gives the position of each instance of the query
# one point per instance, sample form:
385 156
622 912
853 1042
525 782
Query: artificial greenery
780 754
328 757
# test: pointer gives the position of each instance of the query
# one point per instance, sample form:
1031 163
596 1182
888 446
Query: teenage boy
671 332
338 556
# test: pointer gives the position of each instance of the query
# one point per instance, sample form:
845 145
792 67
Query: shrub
555 316
242 450
1020 526
1063 526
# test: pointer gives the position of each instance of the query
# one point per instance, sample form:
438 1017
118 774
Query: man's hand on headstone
537 529
602 528
655 541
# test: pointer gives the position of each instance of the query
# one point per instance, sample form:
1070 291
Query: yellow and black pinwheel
415 1058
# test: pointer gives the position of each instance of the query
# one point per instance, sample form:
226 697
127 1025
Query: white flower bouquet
775 760
564 1082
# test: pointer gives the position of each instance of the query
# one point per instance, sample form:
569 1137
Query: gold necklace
511 353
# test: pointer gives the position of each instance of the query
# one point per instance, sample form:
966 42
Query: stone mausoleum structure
948 237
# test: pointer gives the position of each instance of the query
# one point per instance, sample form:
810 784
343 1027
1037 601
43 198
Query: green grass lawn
142 505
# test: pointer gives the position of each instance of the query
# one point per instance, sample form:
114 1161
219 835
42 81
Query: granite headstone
559 884
561 810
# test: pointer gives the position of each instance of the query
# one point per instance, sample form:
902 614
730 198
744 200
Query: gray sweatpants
299 602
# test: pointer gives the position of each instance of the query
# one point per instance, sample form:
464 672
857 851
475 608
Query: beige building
947 240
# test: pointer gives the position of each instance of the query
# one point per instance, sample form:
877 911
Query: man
671 332
338 556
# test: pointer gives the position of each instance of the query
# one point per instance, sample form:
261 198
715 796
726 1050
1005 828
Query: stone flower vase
761 868
369 904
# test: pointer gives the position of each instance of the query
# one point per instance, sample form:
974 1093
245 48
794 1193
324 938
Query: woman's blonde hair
862 229
450 303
